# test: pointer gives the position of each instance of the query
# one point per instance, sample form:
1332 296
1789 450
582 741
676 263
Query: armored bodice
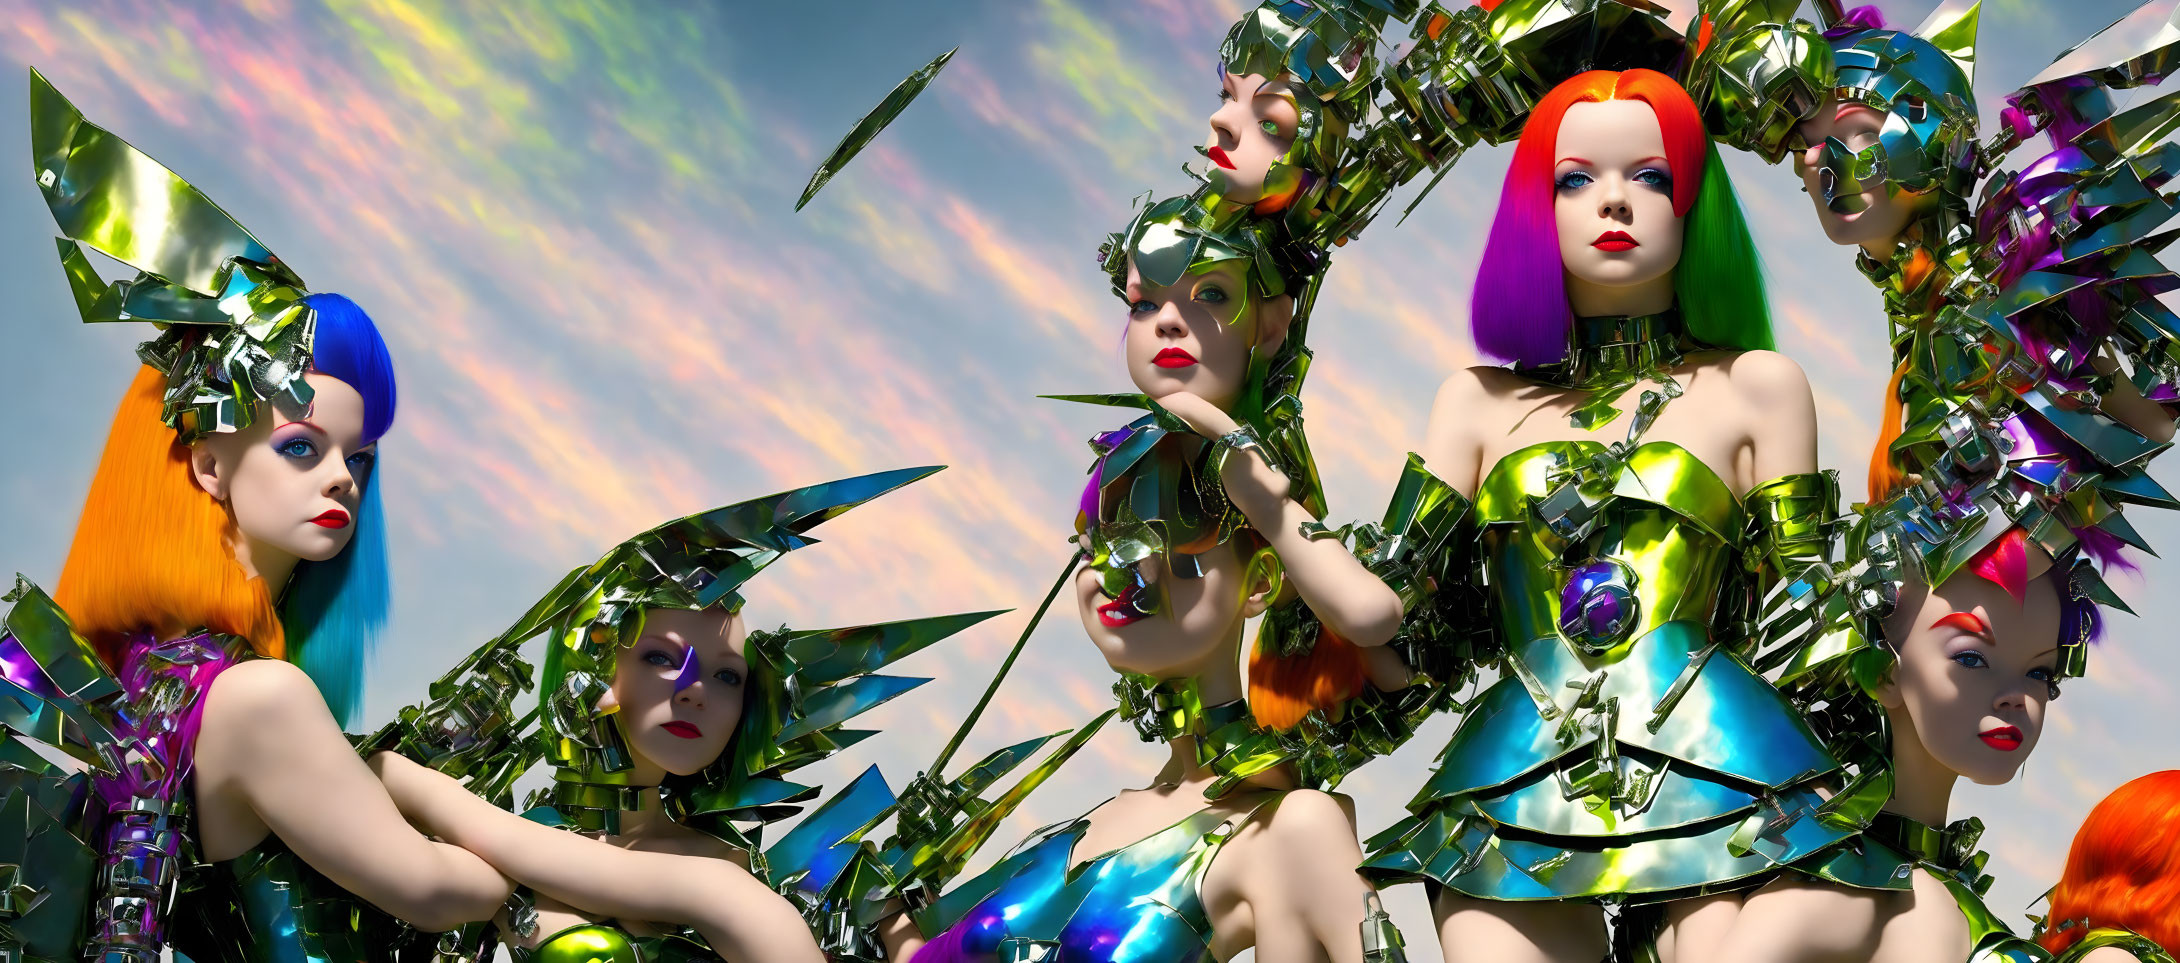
1626 746
1143 901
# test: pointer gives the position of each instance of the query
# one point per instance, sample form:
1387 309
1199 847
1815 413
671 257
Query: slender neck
1618 350
649 814
1217 680
1922 787
1589 299
260 560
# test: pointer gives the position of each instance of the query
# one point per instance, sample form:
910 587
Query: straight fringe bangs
151 550
2124 867
1518 306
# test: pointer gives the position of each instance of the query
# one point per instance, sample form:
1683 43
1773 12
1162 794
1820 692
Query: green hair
1720 279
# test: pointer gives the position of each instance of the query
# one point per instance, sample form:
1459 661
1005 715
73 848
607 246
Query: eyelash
309 449
1660 180
2040 674
728 676
1212 295
1566 182
1142 307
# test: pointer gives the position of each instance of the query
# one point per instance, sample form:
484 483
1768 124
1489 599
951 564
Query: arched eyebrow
1966 622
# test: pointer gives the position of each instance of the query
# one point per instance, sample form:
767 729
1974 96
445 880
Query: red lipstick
1173 358
682 729
333 518
1614 241
1120 611
2003 738
1218 156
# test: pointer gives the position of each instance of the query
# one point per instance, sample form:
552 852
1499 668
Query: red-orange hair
2124 869
151 552
1283 689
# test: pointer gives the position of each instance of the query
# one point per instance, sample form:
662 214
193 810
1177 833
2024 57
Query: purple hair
1866 17
1520 279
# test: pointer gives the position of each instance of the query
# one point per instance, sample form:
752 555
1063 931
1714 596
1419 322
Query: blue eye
1212 295
2049 677
1973 660
728 676
297 448
1573 181
1654 178
660 659
359 464
1142 307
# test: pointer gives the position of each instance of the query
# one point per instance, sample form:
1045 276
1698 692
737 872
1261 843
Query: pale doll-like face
291 479
1885 212
1195 336
1613 197
1975 672
1253 127
680 688
1189 632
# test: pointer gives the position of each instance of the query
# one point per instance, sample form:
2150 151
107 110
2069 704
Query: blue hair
334 609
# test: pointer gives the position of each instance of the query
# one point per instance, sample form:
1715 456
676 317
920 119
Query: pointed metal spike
995 766
838 704
2139 36
868 128
824 656
1953 31
98 187
820 846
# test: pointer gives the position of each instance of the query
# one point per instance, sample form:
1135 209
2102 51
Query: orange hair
1884 478
1283 689
2124 868
152 552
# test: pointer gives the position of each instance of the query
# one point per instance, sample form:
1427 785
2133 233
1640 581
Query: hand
1202 417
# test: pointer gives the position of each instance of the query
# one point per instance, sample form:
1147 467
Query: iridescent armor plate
1627 751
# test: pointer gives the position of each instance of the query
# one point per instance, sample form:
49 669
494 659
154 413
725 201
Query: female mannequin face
1253 127
1195 336
1613 208
1192 631
1976 670
1881 213
291 479
679 689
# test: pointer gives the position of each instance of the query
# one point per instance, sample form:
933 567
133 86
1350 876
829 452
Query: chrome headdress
802 684
1923 82
234 332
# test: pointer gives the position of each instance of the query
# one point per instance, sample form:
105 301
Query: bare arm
1452 445
1782 416
901 937
741 917
1350 600
270 744
1298 879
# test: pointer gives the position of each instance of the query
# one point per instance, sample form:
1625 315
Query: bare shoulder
1763 375
268 692
1477 382
1306 820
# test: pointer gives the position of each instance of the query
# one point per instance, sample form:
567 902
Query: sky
572 220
